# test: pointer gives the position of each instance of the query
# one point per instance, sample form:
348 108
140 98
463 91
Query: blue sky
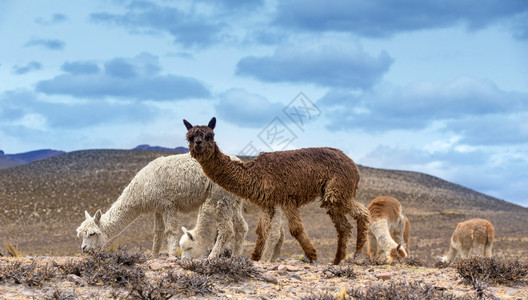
439 87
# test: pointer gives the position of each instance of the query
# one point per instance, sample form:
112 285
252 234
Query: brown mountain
43 202
12 160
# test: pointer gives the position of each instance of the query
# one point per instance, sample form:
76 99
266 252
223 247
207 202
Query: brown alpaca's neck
231 175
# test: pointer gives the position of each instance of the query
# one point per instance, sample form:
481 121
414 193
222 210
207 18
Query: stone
295 277
288 268
270 277
76 279
383 276
294 262
155 266
172 259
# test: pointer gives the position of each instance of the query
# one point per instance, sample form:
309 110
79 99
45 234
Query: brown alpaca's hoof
311 256
255 257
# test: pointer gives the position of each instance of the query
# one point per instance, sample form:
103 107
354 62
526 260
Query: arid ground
42 203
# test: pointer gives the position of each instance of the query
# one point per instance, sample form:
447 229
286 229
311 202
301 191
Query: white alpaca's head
190 248
94 239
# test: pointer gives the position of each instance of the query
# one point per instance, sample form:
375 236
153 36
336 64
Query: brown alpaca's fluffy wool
288 179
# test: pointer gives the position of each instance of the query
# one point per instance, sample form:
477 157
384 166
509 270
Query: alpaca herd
221 187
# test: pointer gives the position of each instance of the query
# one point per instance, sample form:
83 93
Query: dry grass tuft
338 271
401 290
319 296
413 262
491 270
30 274
234 269
13 251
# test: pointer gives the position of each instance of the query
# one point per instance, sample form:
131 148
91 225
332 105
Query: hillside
12 160
43 202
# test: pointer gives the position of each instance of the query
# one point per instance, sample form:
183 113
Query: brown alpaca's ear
187 124
212 123
398 248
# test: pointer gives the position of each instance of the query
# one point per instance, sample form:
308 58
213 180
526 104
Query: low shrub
30 274
234 268
492 270
402 290
333 271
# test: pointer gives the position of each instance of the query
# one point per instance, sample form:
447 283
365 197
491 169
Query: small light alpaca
166 186
388 235
197 242
474 236
288 179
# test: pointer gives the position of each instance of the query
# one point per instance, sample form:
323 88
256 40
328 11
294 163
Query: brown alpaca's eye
191 139
208 137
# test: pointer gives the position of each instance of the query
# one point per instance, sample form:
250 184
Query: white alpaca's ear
212 123
188 233
97 216
87 215
187 124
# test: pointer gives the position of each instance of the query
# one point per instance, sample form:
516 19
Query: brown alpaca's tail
362 216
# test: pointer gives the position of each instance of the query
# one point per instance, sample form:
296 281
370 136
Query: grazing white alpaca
474 236
388 230
197 242
166 186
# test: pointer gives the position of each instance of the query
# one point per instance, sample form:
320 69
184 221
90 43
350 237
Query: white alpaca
471 237
166 186
388 230
197 242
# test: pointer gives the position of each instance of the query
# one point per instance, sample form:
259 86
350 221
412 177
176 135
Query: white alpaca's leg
159 236
278 245
275 233
241 228
170 218
225 230
372 246
224 219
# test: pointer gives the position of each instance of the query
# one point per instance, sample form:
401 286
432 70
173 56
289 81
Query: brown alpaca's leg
362 216
262 231
297 231
344 231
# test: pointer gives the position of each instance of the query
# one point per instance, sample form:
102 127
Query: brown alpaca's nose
198 142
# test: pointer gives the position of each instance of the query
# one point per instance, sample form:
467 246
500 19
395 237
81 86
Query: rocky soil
289 279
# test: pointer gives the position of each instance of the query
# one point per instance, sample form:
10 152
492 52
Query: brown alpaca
289 179
388 230
474 236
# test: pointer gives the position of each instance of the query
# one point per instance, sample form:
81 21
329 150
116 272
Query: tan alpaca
471 237
288 179
389 229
